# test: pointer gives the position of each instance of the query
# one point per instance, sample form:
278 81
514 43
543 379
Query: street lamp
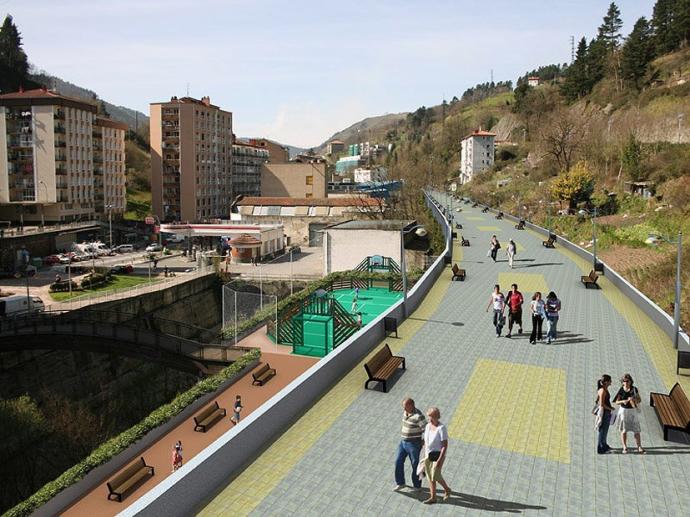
109 208
593 213
420 232
41 182
676 303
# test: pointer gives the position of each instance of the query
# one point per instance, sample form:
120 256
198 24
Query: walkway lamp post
109 208
420 232
43 221
593 213
676 302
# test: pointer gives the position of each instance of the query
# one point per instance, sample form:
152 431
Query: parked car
125 248
152 248
122 269
51 260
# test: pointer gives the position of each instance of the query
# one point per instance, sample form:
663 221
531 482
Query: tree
638 51
680 26
632 157
610 29
562 137
14 65
596 63
576 82
574 186
662 24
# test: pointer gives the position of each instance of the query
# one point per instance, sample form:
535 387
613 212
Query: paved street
521 432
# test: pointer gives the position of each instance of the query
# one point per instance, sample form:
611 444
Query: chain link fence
239 307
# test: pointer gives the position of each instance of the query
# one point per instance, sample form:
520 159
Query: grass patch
118 282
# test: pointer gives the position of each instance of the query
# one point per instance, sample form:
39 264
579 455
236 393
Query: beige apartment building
51 153
294 179
276 152
191 160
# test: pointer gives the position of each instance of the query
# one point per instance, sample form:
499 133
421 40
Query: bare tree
562 136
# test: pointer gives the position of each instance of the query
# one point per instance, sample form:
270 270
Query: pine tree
680 25
610 29
575 84
14 65
663 26
596 63
638 51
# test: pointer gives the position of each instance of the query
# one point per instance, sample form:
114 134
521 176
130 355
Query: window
309 194
310 180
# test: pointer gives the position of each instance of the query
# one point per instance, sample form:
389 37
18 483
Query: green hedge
108 450
269 312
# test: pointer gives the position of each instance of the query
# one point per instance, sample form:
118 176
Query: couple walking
511 251
425 441
540 310
625 416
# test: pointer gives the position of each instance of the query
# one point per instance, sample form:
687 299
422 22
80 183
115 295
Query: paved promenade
521 433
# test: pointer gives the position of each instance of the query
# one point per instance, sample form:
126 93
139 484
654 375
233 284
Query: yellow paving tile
527 282
281 457
474 218
494 229
535 429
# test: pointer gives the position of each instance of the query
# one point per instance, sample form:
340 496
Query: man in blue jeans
413 424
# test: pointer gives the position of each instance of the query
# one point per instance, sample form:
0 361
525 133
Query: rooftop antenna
187 89
572 48
492 75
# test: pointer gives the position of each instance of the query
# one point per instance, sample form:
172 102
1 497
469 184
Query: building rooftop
308 201
44 96
107 122
479 132
386 225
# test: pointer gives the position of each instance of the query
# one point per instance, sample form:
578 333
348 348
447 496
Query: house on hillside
335 147
533 81
477 152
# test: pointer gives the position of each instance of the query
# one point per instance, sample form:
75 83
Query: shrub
108 450
94 280
64 285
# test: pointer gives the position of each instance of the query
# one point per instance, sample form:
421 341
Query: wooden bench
458 226
128 478
672 410
520 225
590 280
499 215
549 242
458 273
485 210
382 366
208 416
263 374
464 242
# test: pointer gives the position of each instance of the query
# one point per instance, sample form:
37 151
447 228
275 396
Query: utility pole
572 48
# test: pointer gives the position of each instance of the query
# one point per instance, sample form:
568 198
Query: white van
18 304
125 248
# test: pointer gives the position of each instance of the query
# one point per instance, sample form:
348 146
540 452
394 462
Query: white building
476 154
533 81
364 175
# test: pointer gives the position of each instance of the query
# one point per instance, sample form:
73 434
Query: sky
298 71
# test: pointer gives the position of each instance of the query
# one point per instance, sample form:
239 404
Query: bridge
170 343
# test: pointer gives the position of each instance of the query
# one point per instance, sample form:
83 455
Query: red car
51 260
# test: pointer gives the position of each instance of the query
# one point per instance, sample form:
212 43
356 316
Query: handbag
434 455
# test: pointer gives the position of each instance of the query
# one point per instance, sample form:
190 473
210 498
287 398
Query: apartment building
294 179
247 160
477 152
276 153
51 152
191 159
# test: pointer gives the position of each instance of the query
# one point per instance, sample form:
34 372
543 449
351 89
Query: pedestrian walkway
521 432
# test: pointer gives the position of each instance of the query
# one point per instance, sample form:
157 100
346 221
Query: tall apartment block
58 160
247 160
191 159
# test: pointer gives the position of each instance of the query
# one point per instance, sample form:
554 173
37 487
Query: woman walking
553 307
628 400
494 247
538 310
498 301
511 251
604 411
436 443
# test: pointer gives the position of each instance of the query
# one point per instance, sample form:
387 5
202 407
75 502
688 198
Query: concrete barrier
204 476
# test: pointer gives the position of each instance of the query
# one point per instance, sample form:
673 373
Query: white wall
345 249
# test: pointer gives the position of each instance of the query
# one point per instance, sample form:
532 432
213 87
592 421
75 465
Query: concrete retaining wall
202 477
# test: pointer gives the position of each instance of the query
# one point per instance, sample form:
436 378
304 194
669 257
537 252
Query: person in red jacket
514 302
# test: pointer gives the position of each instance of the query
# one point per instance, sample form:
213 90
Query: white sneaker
398 488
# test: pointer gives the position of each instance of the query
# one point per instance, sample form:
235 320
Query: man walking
514 301
413 424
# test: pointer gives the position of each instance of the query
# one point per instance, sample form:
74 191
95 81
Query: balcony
59 130
59 115
97 133
61 144
97 159
61 171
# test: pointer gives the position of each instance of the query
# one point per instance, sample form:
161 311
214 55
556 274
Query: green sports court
317 331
